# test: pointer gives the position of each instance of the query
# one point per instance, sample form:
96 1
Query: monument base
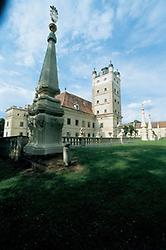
38 150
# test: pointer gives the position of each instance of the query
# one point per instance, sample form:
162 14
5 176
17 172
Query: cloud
1 57
8 93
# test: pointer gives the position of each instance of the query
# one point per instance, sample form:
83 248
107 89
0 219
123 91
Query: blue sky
131 33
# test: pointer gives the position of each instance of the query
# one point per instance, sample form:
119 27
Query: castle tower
106 100
144 135
45 114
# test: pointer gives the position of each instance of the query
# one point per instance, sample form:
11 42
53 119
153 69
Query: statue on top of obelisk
53 14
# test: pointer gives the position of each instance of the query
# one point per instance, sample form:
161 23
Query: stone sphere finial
53 27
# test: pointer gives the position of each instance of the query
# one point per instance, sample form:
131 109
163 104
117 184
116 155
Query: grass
115 200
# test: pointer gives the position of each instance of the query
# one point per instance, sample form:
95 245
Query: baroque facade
99 118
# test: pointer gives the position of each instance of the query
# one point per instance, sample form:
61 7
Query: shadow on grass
116 202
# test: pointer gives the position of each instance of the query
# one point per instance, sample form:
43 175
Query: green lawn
114 199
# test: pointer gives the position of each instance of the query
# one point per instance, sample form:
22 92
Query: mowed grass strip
114 200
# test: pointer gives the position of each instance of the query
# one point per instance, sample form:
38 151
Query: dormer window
76 106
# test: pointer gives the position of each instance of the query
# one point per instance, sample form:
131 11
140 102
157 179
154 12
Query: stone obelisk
46 114
144 135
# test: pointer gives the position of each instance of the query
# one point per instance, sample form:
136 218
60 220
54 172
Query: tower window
118 102
97 101
97 91
115 100
105 100
68 121
76 122
7 124
105 111
93 125
88 135
105 89
97 111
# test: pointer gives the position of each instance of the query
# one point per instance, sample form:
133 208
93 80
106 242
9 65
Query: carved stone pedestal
46 138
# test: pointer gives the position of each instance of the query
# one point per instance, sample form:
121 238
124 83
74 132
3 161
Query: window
101 125
93 135
105 111
76 106
6 134
68 121
105 89
115 110
115 100
97 101
105 100
88 135
98 81
18 114
68 134
105 79
21 124
7 124
21 134
76 122
93 125
118 102
76 134
88 124
83 124
98 91
97 111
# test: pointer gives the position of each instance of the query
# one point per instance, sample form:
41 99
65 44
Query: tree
126 129
2 124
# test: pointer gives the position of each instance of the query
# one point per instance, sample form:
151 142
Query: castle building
158 127
106 103
99 118
16 122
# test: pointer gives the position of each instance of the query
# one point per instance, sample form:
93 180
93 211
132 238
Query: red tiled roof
69 101
157 124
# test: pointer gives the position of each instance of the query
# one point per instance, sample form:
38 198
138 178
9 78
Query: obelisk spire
48 81
45 113
143 123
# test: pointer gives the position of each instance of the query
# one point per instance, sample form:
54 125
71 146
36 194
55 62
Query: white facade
16 122
75 120
106 101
